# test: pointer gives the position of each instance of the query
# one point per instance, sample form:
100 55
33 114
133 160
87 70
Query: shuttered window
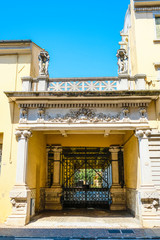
157 20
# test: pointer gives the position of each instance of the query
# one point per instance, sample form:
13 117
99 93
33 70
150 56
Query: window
0 157
157 21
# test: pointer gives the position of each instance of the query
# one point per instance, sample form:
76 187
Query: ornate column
149 197
20 194
118 193
53 194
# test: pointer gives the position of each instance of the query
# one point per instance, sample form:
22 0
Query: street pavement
77 234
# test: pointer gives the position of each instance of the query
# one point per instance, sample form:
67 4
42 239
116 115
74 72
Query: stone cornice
148 5
86 104
147 9
139 94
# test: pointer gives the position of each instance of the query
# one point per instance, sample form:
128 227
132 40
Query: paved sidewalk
66 234
80 224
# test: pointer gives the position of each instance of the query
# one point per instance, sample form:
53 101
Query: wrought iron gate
87 177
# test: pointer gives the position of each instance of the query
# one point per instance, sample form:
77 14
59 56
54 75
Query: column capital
57 149
114 149
145 133
23 134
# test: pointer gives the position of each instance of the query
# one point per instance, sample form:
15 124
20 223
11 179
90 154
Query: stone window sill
156 40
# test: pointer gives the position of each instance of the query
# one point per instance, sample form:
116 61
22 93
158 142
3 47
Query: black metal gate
87 177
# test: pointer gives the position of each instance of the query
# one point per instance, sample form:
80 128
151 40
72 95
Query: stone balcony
95 84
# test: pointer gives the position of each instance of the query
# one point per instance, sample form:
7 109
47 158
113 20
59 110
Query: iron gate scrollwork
87 177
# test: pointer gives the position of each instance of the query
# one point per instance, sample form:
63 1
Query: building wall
15 62
131 171
83 140
36 172
143 46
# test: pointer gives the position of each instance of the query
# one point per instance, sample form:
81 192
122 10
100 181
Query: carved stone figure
122 61
40 115
43 62
23 115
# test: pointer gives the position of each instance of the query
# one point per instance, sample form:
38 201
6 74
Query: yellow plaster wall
36 173
12 68
85 140
158 112
9 81
153 115
144 50
35 63
132 44
131 161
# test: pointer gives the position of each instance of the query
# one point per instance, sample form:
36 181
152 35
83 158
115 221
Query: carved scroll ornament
84 116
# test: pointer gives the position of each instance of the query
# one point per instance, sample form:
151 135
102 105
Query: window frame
156 15
1 145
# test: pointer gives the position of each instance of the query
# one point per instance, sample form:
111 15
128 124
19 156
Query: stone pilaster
149 196
53 194
20 194
118 193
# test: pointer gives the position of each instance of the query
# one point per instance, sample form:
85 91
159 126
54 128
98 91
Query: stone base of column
118 195
53 198
150 206
20 198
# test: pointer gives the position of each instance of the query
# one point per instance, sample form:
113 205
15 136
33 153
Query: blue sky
81 36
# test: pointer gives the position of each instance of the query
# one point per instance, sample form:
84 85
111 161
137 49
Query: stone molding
147 9
149 195
87 104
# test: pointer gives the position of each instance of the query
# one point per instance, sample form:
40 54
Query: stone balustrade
97 84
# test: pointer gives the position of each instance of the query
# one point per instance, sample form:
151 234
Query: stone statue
43 62
122 61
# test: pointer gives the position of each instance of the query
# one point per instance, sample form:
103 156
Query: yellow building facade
83 142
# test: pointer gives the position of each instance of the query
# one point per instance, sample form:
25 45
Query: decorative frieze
103 115
84 115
